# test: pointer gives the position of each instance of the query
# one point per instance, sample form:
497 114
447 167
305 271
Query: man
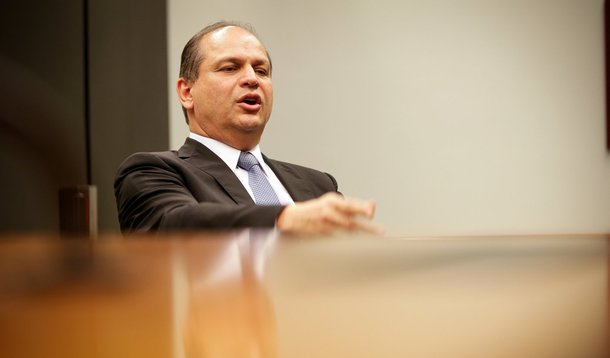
217 178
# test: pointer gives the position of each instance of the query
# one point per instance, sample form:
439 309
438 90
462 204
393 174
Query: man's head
225 84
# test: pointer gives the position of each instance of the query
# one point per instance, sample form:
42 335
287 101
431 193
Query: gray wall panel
128 89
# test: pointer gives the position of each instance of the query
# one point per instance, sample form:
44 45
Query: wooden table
246 294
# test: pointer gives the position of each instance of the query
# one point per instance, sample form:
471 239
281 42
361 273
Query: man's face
233 96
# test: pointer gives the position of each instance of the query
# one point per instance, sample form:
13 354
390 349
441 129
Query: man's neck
244 143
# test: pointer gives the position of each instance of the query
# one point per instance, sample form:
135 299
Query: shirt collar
228 154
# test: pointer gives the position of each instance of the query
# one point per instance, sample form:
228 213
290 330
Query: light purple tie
262 190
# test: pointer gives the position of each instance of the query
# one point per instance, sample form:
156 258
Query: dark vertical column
86 86
127 90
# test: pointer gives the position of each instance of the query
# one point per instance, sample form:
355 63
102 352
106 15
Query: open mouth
250 99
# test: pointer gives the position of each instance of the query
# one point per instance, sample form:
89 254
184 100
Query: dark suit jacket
192 188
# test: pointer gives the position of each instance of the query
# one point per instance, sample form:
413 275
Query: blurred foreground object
247 294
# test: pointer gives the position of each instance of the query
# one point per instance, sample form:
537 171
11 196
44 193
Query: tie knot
246 161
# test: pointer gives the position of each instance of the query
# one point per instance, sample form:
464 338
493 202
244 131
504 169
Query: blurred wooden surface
249 294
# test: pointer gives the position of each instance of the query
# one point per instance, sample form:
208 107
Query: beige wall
459 117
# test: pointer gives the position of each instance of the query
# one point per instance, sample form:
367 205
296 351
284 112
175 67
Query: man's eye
261 71
228 69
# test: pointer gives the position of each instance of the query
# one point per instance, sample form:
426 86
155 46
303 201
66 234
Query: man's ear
183 88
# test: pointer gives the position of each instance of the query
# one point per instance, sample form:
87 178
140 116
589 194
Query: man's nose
249 78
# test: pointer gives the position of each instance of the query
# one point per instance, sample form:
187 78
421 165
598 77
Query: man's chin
251 123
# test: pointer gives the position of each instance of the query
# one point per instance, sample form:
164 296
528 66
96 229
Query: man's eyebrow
229 59
233 59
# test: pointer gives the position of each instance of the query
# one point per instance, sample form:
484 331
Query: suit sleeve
152 195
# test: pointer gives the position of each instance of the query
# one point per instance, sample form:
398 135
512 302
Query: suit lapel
296 186
204 159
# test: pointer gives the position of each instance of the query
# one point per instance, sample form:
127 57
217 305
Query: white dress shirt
230 156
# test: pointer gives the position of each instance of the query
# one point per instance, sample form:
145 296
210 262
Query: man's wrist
284 218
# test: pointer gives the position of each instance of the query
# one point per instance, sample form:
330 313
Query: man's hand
329 213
